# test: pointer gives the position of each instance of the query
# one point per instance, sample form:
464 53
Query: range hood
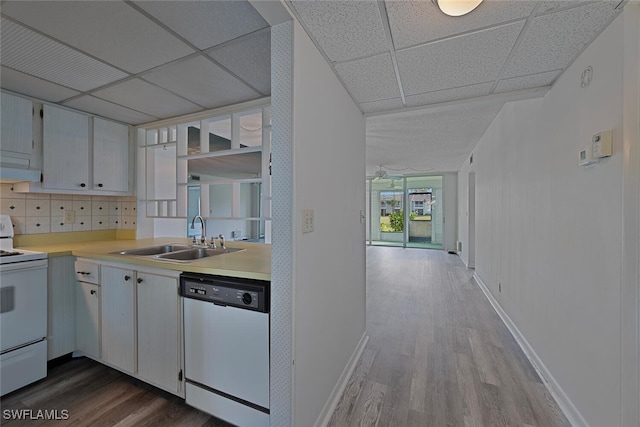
11 175
18 169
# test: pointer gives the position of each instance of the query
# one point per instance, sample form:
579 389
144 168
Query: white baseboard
338 389
568 408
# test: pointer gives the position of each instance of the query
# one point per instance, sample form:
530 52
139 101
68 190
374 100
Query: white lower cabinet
118 317
158 331
131 320
88 319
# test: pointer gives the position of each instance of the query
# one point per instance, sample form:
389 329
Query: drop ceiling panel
206 23
383 105
449 94
31 53
525 82
548 6
33 86
429 139
249 59
370 79
554 40
109 110
460 61
416 22
147 98
202 82
104 29
344 29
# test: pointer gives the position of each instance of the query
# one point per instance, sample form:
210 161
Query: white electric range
23 313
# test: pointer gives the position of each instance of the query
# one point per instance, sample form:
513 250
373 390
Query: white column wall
549 232
329 263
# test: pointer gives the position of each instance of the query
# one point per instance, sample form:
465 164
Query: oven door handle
40 263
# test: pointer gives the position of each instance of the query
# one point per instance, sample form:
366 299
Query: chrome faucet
203 236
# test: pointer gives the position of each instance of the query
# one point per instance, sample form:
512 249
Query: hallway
438 354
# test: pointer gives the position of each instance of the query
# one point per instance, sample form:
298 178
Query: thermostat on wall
602 144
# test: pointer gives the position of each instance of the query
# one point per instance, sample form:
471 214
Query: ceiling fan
381 174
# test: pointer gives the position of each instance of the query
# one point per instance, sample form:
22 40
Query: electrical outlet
69 216
307 220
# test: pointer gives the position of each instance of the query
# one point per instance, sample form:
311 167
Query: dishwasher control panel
242 293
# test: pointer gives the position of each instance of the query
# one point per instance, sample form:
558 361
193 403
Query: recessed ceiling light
456 7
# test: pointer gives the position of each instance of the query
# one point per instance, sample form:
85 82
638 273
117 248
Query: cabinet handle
82 184
140 280
93 292
84 273
126 278
100 185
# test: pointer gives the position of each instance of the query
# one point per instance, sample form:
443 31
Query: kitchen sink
154 250
195 254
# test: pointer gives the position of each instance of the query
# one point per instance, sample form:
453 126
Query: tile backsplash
33 213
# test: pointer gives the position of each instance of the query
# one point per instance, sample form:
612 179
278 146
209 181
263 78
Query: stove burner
9 253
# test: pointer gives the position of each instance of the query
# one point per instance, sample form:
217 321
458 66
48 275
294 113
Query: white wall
329 263
550 231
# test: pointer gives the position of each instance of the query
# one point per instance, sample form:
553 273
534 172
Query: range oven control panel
249 295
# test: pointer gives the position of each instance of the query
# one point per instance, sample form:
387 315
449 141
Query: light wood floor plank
443 353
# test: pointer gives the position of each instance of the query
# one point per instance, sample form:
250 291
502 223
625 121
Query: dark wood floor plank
98 396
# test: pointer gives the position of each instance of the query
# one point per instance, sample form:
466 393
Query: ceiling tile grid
31 53
526 82
33 86
144 97
453 94
417 22
370 79
382 105
206 23
98 26
249 59
459 61
344 29
202 82
554 40
104 108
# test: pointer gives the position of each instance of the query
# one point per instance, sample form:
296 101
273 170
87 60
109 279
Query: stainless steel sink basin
154 250
194 254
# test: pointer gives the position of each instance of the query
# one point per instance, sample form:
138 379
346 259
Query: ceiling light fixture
456 7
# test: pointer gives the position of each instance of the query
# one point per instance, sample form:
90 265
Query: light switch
307 220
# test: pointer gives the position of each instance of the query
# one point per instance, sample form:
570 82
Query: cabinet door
110 156
158 331
65 149
88 319
118 321
15 124
61 295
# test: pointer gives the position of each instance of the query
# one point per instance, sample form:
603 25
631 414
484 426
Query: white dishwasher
226 341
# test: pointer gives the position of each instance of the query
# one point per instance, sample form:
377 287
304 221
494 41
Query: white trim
562 399
330 406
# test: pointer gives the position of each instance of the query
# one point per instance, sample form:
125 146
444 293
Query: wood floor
438 354
95 395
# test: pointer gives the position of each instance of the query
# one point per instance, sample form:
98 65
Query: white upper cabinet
15 124
65 149
110 156
82 154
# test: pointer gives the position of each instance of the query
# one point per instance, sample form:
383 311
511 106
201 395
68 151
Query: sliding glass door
405 212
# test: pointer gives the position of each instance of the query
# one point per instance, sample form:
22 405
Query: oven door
23 303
